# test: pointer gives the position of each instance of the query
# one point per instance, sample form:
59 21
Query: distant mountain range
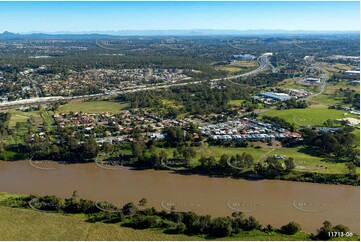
14 36
194 32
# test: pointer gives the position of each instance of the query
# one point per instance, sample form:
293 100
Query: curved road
263 61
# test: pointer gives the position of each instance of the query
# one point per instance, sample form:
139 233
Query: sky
22 17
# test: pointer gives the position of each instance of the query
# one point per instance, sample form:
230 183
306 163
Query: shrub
290 228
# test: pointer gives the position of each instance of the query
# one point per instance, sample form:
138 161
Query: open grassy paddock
92 107
315 115
26 224
236 102
238 66
245 64
22 117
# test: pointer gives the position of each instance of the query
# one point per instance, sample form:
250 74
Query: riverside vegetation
139 217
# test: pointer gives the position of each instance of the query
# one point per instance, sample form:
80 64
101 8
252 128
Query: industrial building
275 96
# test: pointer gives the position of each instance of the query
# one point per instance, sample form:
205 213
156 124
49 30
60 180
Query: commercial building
275 96
312 80
352 72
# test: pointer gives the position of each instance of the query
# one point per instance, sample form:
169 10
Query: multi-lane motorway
263 61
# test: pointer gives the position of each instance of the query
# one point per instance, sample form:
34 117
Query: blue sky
104 16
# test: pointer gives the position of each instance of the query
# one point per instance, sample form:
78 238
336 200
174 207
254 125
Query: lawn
25 224
22 117
245 64
316 115
255 235
236 102
238 66
40 119
92 107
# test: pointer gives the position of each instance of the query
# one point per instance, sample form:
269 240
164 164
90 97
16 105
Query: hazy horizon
87 17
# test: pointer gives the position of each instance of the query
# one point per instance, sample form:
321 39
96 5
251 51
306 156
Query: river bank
308 203
132 219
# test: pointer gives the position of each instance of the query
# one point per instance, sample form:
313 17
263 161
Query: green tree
290 228
138 149
351 168
223 161
221 227
89 149
290 164
143 202
323 232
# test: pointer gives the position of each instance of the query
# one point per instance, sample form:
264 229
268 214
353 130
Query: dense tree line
279 122
292 103
68 148
4 122
263 79
339 143
349 97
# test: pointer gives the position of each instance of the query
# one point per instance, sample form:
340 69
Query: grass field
245 64
92 107
315 115
236 102
238 66
230 69
25 224
22 117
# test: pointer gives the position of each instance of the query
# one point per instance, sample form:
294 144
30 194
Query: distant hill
194 32
12 36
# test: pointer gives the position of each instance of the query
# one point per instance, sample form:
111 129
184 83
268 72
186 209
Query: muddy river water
270 201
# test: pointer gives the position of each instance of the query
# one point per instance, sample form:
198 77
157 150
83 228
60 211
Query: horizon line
162 30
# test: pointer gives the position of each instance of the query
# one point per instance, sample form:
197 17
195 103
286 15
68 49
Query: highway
263 61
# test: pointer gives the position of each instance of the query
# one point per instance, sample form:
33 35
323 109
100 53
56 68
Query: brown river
270 201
